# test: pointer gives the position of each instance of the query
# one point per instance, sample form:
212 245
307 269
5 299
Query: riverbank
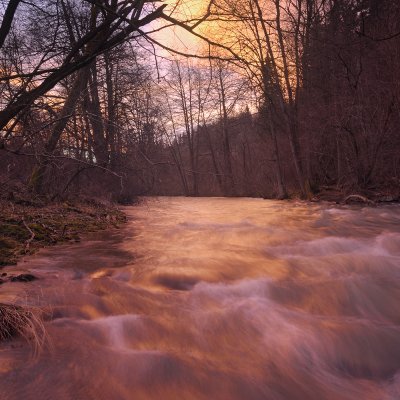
25 227
372 196
28 226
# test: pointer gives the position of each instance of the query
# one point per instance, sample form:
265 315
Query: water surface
218 299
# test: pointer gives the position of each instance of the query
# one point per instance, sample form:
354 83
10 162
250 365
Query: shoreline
25 228
334 195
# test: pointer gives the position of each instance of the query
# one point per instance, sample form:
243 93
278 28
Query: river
219 299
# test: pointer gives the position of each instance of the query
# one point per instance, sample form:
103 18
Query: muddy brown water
217 299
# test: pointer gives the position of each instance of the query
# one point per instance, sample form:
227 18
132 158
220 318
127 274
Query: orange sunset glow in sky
178 38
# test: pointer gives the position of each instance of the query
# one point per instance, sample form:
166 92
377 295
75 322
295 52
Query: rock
23 278
4 274
176 282
387 199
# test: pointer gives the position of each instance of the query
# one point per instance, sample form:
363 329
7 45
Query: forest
274 98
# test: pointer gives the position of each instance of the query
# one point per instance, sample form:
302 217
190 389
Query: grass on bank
24 228
25 322
28 223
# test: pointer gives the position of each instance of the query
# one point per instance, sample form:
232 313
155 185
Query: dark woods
307 98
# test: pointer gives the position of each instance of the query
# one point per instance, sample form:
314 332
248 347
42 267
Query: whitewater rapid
208 298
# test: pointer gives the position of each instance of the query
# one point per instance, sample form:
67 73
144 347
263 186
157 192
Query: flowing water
217 299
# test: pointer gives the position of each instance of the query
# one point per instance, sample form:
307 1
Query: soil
26 227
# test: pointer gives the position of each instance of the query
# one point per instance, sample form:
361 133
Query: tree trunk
214 160
282 193
111 109
230 188
37 176
96 119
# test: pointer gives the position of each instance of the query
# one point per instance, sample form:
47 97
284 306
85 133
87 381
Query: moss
38 229
69 207
14 231
8 250
6 243
51 224
42 234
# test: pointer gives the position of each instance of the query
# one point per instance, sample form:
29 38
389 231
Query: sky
175 37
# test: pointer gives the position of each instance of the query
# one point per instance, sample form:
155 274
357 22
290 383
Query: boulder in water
23 278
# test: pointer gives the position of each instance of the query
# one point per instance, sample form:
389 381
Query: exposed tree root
358 198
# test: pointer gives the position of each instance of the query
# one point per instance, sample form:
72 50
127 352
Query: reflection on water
219 299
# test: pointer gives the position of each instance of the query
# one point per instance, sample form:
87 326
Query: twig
28 242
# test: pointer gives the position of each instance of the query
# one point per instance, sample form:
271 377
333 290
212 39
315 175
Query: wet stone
23 278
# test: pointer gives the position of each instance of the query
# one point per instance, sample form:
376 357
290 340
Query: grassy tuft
25 322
